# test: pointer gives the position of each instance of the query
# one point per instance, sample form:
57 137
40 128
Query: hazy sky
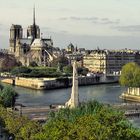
86 23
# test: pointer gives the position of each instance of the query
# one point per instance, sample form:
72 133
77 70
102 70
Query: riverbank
55 83
133 98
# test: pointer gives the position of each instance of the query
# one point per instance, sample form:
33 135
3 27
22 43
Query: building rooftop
27 41
38 43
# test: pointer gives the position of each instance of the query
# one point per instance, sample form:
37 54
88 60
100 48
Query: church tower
16 32
33 30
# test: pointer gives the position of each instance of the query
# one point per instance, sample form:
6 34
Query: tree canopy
21 128
68 69
130 75
36 72
7 62
90 121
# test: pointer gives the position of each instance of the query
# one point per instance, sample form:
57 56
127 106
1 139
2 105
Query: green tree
89 121
36 72
8 95
18 126
67 69
20 70
130 75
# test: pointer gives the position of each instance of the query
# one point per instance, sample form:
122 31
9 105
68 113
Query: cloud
130 28
95 20
64 32
84 18
63 18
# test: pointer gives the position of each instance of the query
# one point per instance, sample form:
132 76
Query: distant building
95 61
72 53
109 62
75 57
30 49
82 50
70 48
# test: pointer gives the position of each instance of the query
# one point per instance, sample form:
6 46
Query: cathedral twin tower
16 32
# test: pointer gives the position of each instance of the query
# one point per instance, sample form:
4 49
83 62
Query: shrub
8 96
20 70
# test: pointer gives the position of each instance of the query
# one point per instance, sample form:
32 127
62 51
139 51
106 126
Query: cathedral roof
48 41
27 41
38 43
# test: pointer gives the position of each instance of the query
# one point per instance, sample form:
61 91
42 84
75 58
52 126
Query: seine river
103 93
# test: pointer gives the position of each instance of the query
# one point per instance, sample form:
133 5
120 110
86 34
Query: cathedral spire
34 15
34 32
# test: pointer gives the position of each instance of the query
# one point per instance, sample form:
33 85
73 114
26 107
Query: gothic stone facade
33 48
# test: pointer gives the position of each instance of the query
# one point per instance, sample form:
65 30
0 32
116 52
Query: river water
103 93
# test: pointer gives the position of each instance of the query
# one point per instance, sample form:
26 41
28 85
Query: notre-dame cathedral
33 48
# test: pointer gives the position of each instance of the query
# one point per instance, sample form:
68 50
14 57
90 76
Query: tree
88 121
7 62
20 70
130 75
29 129
67 69
8 95
20 127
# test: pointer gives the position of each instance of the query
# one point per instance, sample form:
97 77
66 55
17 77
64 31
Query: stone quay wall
53 83
132 94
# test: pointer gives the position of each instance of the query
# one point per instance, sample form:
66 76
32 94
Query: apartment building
109 61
